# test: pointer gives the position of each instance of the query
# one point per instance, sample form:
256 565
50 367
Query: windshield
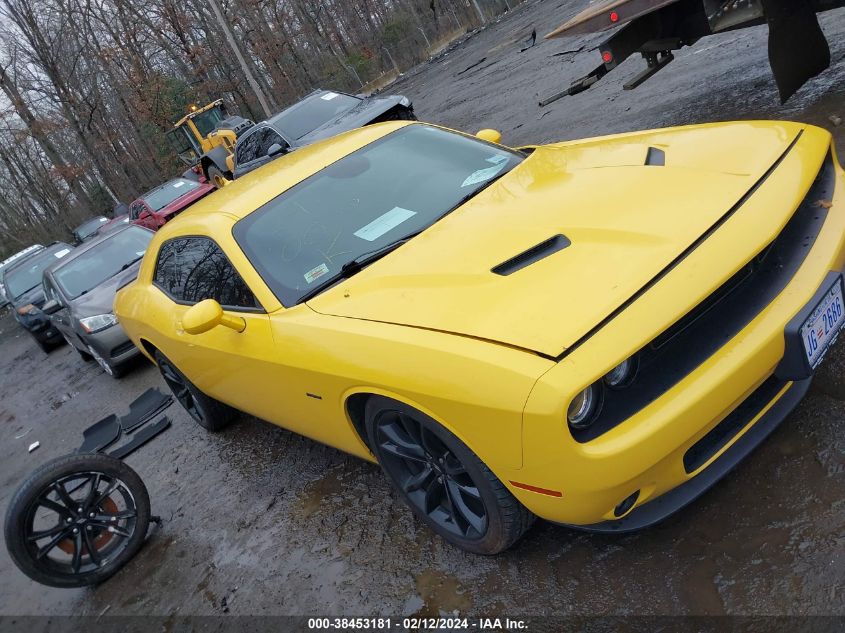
388 190
312 112
27 275
103 261
88 228
208 120
160 197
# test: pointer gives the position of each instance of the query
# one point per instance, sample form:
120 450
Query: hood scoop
532 255
655 157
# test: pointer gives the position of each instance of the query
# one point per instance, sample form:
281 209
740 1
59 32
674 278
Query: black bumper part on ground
667 504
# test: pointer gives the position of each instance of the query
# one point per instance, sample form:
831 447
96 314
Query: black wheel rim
80 523
433 478
181 391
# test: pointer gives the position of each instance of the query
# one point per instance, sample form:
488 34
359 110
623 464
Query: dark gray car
318 116
80 294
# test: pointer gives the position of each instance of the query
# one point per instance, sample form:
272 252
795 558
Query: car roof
21 253
52 248
244 195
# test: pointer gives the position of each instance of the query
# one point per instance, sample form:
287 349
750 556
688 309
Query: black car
88 229
26 293
319 115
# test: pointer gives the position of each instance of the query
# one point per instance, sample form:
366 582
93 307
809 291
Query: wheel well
356 404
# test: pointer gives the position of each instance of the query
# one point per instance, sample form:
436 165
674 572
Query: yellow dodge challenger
592 332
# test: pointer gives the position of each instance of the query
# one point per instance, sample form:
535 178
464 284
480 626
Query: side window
247 148
135 210
191 269
270 137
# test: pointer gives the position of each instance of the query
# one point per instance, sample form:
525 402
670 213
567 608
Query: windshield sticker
329 96
483 175
315 273
178 184
61 253
497 158
383 223
140 253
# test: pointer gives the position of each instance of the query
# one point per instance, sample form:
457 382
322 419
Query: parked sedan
318 116
22 281
161 204
593 332
80 290
88 229
118 221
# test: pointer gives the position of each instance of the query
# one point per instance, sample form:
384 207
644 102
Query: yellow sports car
592 332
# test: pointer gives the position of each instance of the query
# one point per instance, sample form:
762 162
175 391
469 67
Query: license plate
823 325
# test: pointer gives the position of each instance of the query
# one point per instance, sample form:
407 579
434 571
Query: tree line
91 86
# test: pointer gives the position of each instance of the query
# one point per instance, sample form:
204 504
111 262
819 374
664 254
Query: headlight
96 323
623 374
584 407
26 309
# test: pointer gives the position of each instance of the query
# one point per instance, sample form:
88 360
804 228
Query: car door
62 320
229 366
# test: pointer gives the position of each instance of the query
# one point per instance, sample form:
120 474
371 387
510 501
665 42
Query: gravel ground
260 521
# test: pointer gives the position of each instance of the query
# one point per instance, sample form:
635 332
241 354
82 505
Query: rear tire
209 413
445 484
113 525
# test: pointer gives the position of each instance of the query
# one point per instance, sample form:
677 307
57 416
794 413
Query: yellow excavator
204 139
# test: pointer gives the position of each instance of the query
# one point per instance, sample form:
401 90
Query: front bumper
658 452
646 515
112 344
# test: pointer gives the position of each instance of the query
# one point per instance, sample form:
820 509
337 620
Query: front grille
121 349
720 435
693 339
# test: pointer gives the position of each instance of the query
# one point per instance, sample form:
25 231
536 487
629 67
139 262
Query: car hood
359 116
186 200
627 222
35 296
100 299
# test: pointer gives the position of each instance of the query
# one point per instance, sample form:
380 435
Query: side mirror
275 149
207 315
493 136
51 307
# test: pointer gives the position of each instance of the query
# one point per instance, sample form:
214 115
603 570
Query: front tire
77 520
443 481
209 413
43 345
